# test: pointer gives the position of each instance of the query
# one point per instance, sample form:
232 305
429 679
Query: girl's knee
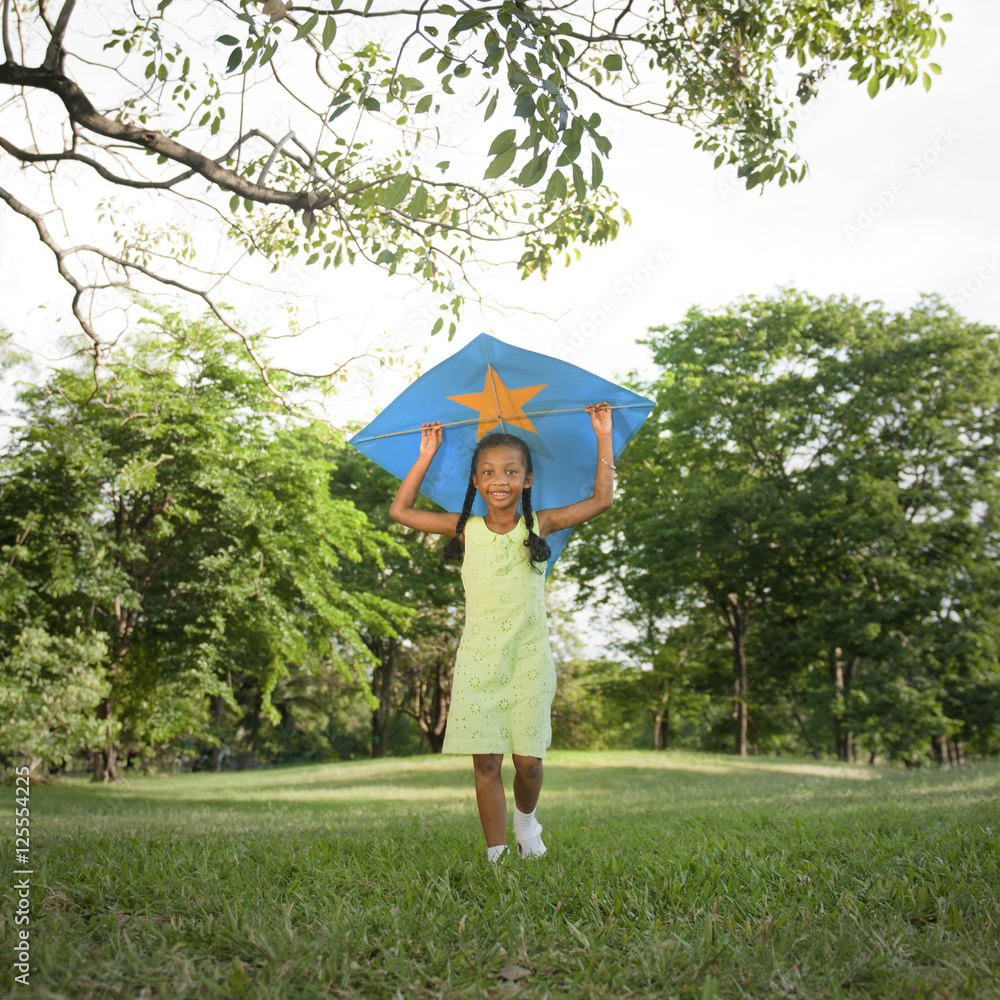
528 767
487 765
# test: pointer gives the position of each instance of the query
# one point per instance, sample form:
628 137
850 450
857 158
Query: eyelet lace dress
505 677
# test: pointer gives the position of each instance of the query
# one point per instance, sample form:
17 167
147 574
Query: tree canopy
167 540
333 133
823 479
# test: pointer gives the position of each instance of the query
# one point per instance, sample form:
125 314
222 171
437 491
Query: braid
453 550
538 547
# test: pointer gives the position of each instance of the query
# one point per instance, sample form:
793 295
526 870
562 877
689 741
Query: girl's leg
527 782
527 785
490 797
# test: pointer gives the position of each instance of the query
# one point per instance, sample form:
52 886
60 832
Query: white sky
901 199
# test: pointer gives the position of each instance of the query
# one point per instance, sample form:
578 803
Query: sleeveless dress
505 676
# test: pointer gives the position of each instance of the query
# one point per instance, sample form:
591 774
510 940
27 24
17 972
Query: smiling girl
504 672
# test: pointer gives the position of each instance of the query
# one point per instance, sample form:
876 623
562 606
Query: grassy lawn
668 875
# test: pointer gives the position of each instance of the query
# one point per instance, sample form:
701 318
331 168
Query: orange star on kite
498 405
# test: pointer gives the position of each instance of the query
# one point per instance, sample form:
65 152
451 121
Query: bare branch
54 53
7 50
60 255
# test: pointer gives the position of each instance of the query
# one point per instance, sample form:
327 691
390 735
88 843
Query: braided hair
537 546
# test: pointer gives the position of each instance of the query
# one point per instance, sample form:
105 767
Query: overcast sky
902 198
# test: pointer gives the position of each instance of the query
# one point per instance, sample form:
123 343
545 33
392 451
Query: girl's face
501 476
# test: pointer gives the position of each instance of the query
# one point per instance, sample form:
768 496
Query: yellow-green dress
505 677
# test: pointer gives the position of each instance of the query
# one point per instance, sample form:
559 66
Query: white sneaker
532 846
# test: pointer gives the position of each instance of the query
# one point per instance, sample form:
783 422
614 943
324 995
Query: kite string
500 417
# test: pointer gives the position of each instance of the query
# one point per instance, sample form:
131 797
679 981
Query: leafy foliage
209 105
823 480
176 526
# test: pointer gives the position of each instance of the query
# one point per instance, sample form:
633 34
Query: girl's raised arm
402 509
557 518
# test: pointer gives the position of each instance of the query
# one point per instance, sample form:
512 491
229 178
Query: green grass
670 875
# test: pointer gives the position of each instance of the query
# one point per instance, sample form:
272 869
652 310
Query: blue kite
492 386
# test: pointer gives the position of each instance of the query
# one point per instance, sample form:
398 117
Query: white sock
528 831
494 854
524 824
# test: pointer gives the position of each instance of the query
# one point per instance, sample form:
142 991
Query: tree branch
54 53
83 113
7 50
60 255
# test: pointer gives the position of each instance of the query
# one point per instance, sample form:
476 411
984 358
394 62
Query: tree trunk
106 759
941 751
841 676
382 680
432 714
737 635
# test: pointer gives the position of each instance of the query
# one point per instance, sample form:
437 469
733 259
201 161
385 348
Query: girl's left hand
600 417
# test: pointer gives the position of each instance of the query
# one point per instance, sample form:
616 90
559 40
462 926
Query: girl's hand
430 438
600 418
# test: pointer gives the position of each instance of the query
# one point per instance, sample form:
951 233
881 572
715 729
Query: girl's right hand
431 435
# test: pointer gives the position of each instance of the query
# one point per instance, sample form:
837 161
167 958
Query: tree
412 666
822 476
173 523
202 110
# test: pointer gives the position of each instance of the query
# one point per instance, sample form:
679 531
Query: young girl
504 673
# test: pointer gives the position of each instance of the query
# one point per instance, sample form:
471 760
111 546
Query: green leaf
501 163
329 32
437 325
418 203
503 142
227 40
569 154
396 190
469 20
927 81
556 188
424 104
235 58
597 170
491 107
534 170
579 184
408 83
612 62
873 84
308 26
525 106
